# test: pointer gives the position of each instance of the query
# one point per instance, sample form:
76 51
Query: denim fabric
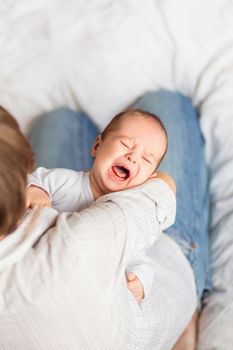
185 162
63 138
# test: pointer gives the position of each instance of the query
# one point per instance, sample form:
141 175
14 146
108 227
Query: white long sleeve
70 190
69 289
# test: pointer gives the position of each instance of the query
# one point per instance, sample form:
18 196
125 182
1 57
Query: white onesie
70 191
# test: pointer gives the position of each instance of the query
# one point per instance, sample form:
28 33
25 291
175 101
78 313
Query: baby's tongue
119 171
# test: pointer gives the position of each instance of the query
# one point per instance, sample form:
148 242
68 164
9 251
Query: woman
62 276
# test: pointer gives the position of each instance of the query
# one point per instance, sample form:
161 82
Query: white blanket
100 55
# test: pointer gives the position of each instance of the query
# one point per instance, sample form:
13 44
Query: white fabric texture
101 55
63 281
70 191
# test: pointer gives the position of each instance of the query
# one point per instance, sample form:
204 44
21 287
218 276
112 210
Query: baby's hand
135 286
36 196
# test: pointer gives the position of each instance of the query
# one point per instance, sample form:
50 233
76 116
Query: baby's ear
95 146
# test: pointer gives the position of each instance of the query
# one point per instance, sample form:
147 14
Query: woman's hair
10 133
19 145
16 160
6 118
13 176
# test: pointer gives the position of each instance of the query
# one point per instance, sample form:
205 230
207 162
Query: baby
126 154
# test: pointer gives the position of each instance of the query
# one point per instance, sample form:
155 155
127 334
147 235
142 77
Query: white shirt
70 191
63 281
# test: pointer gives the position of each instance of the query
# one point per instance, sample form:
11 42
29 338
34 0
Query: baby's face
127 156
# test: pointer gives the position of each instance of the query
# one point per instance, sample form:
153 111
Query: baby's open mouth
120 172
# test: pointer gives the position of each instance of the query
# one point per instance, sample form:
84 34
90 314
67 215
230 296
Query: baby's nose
132 157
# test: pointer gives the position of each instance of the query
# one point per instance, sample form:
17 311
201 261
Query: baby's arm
40 188
140 276
64 187
37 196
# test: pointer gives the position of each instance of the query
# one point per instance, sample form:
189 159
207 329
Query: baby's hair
137 112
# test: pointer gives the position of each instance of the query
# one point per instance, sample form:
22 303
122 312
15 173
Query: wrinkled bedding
101 55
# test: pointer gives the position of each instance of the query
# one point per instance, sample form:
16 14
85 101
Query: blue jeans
63 138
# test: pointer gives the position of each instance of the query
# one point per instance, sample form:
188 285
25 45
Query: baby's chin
115 187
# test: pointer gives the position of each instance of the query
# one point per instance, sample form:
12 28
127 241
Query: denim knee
63 138
168 105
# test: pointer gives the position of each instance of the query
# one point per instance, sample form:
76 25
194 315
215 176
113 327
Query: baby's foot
188 338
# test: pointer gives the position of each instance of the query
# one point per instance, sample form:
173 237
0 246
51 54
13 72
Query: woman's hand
167 178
